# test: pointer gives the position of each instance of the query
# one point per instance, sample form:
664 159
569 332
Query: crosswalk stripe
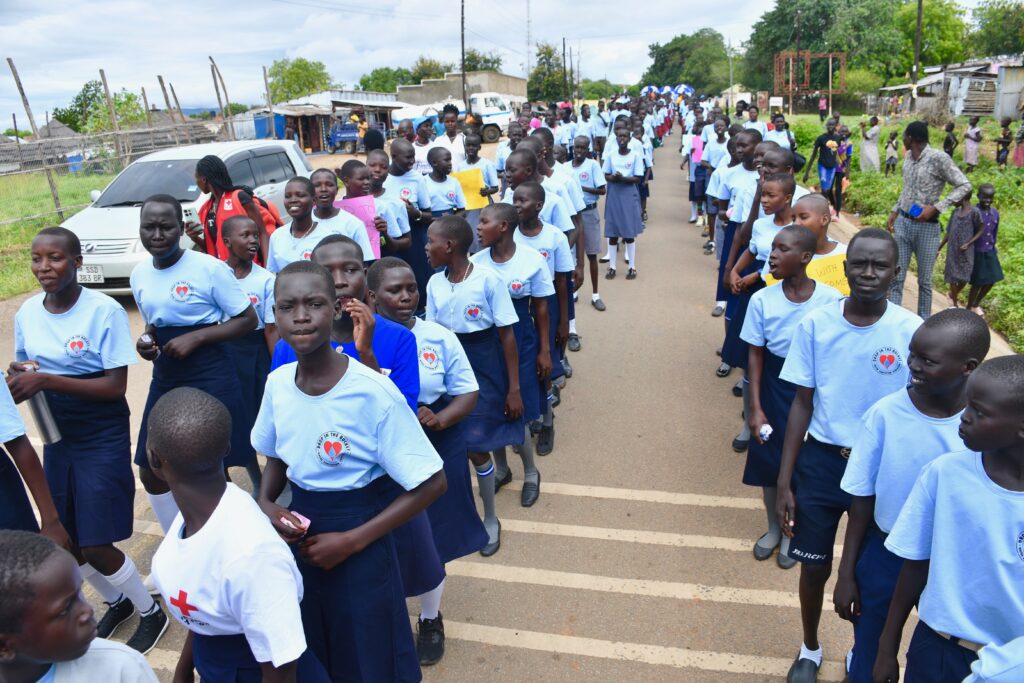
644 496
607 584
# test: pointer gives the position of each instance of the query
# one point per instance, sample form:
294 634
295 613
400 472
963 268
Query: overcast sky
59 46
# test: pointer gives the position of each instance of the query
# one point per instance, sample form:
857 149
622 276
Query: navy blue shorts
933 659
877 571
820 502
699 184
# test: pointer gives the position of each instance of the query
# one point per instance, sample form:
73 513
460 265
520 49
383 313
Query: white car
109 227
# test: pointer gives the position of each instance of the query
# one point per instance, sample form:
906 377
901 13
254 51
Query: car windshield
142 179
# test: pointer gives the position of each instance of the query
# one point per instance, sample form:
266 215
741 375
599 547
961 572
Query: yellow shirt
826 268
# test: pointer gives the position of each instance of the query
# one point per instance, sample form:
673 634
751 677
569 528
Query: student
191 305
328 216
972 499
474 303
521 167
490 179
753 124
530 284
448 393
422 145
215 563
356 177
451 138
600 129
962 231
987 270
950 142
47 629
78 345
624 171
825 146
688 163
972 143
772 318
295 241
446 195
391 207
334 429
900 434
591 179
780 134
408 185
251 353
505 148
644 188
813 212
872 337
892 154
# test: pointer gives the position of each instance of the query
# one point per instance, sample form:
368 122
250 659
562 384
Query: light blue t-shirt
445 195
479 302
629 164
552 246
525 274
285 248
395 214
258 285
742 202
554 210
11 426
197 290
344 439
999 663
92 336
772 318
486 167
762 234
714 188
409 187
896 440
589 174
716 153
848 367
780 137
563 182
760 126
972 531
443 364
501 155
734 181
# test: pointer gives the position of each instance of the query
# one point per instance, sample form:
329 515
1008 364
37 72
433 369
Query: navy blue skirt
734 349
527 346
416 257
418 562
209 369
454 521
487 428
15 509
722 292
251 359
354 615
777 396
89 471
229 659
570 289
554 317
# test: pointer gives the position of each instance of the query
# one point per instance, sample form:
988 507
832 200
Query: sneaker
574 343
546 440
567 367
598 304
430 640
631 275
151 629
118 613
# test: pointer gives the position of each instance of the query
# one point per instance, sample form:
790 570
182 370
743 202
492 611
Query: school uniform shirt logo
76 346
584 176
182 290
515 287
406 193
451 196
253 299
307 255
429 357
1020 546
331 448
472 312
185 610
886 360
545 253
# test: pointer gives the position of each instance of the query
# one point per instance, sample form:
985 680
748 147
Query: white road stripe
644 495
608 584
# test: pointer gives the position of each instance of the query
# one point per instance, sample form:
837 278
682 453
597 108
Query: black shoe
740 445
150 629
692 221
643 216
545 441
574 344
631 275
535 427
430 640
117 614
598 304
603 259
492 548
531 492
610 275
556 398
737 389
802 671
498 483
567 367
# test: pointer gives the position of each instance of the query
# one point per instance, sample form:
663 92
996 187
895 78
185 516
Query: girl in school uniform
624 171
392 209
183 297
339 432
357 178
473 302
73 344
448 393
490 175
409 187
591 179
328 216
530 285
446 195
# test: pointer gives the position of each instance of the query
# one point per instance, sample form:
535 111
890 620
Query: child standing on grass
891 154
950 143
962 231
987 270
972 144
1003 143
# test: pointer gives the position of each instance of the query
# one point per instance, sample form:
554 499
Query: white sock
595 296
613 256
110 595
813 655
127 580
430 602
164 508
631 254
572 326
693 212
720 303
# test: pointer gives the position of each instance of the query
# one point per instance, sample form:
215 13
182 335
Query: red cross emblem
181 602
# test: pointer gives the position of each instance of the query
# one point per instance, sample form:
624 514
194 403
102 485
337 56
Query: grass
872 196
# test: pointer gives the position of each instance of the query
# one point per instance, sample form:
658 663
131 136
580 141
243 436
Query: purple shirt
989 230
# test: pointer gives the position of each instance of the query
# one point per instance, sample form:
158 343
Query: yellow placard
472 182
828 269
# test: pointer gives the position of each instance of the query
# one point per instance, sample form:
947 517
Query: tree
943 33
11 133
699 60
547 80
386 79
127 106
76 114
862 82
1000 28
428 67
239 108
291 78
597 90
480 61
872 41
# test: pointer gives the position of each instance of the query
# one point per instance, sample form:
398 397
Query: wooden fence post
188 133
227 100
170 111
35 133
121 155
270 104
149 119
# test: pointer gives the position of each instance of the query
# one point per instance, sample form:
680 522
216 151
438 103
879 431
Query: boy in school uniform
409 186
969 500
214 566
47 629
334 429
900 434
446 195
833 350
591 179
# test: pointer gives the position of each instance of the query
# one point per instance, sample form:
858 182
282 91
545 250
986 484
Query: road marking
644 496
609 584
656 655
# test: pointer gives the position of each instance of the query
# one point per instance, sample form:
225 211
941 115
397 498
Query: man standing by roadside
915 219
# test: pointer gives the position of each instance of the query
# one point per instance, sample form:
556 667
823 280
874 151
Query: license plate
91 275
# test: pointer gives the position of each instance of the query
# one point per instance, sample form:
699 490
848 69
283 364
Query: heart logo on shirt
406 193
886 360
76 346
516 287
544 253
254 299
472 312
451 196
584 176
331 448
306 255
429 357
181 291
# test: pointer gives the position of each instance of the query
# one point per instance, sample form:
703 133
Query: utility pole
529 43
793 87
465 99
732 84
917 57
270 105
565 74
572 78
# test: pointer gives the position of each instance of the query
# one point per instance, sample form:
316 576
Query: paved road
635 563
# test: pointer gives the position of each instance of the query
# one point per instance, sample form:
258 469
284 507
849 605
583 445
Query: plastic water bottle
46 425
